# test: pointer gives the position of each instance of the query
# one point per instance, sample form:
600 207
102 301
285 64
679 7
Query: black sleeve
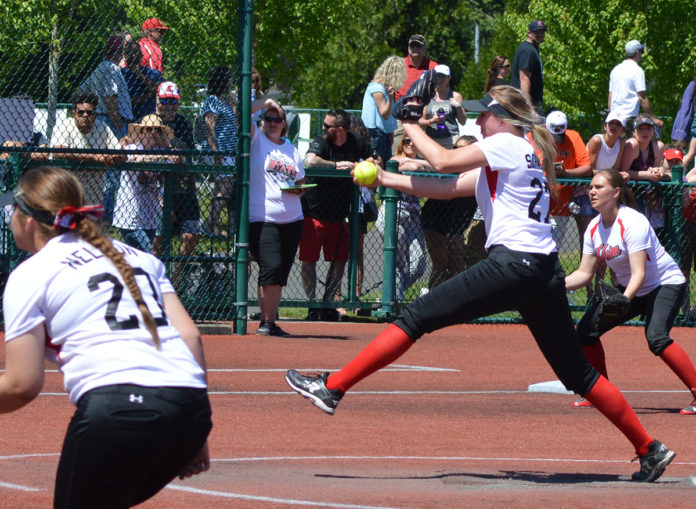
318 147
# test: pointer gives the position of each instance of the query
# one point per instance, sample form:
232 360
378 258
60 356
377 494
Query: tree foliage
324 52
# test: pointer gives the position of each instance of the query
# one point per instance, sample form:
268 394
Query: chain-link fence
144 106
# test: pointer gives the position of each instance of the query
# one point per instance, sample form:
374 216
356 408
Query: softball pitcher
650 281
130 355
522 271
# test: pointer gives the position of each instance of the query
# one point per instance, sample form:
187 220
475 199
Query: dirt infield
452 424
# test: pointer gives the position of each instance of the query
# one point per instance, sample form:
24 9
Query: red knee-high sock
391 344
606 398
595 354
678 361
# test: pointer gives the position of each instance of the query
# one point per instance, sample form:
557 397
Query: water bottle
441 127
253 94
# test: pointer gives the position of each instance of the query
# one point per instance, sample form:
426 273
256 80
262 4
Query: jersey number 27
533 213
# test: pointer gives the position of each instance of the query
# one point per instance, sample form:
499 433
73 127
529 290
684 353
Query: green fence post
390 199
354 225
246 30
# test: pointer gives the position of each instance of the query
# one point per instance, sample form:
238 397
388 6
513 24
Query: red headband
69 217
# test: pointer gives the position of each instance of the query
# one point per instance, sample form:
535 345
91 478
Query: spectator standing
443 114
643 160
275 210
498 73
377 104
410 244
689 213
114 109
527 69
108 83
85 130
221 136
327 206
138 210
416 62
606 149
186 214
142 82
627 88
153 30
684 127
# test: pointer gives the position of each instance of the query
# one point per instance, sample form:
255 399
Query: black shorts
533 284
187 214
126 442
274 247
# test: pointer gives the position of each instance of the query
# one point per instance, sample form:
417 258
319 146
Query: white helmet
556 122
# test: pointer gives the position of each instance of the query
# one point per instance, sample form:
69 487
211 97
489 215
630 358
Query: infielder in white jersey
522 271
647 275
131 356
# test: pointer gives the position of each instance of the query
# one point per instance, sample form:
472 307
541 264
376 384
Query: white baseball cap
442 69
633 47
556 122
615 115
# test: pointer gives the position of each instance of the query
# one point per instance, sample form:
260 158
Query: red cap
153 23
673 153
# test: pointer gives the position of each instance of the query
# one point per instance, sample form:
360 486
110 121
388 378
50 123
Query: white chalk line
242 496
286 501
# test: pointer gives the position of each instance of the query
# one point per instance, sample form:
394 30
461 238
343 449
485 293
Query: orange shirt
573 154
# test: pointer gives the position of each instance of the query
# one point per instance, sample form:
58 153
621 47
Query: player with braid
522 271
650 281
132 360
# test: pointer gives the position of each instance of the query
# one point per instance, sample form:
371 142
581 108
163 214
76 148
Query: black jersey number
116 294
533 214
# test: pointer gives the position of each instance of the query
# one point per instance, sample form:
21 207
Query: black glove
419 94
613 305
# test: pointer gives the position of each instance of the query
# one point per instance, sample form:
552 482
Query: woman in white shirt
131 356
647 275
522 271
275 212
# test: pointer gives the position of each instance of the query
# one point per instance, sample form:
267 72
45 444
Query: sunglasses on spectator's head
273 120
168 100
85 113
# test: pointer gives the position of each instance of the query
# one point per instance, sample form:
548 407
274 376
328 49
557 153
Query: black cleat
653 464
314 388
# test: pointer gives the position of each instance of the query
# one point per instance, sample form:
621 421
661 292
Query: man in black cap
527 69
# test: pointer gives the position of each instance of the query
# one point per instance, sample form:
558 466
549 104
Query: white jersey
513 195
94 330
630 233
273 167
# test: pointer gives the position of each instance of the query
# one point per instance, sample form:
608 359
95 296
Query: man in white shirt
627 87
85 130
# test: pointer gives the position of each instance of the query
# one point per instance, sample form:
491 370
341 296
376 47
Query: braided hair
45 192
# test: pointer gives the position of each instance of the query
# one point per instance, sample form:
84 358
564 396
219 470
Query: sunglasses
507 66
168 100
407 141
327 126
273 120
152 129
85 113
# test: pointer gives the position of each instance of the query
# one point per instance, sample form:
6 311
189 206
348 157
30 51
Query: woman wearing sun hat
137 211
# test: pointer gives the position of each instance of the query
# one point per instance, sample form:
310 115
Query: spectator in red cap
152 35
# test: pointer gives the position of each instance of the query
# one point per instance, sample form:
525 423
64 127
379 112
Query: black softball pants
660 308
533 285
126 442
